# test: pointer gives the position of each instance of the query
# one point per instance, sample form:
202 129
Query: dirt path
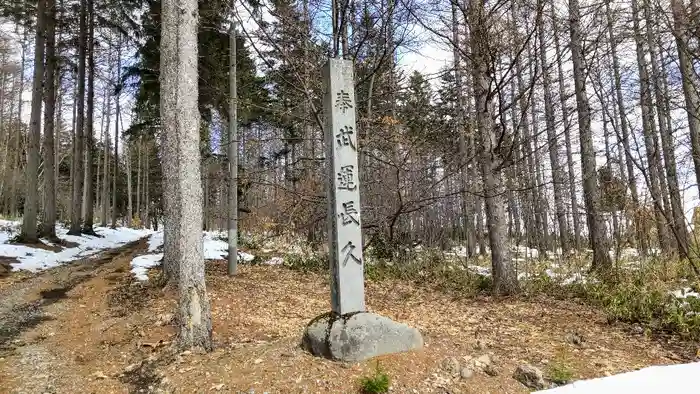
27 302
108 334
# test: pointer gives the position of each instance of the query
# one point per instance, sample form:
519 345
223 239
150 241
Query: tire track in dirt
22 303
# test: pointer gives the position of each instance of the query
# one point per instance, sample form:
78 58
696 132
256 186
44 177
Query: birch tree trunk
591 193
29 232
180 117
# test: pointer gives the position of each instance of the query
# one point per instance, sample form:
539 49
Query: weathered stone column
348 332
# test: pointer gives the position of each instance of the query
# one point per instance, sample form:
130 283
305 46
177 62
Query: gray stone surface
344 221
530 376
359 336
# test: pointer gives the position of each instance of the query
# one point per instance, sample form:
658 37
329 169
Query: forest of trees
558 126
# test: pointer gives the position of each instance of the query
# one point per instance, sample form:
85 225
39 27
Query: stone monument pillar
348 332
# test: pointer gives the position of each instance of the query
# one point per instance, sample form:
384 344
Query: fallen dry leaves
258 320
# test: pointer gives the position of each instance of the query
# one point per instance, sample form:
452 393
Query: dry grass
109 323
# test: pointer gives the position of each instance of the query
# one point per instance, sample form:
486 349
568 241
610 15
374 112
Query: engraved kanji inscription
346 178
347 250
345 137
349 214
342 101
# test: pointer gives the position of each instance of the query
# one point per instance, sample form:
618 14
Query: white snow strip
36 259
685 292
679 378
141 264
155 241
214 249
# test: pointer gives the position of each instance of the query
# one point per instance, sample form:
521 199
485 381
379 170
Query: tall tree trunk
29 232
461 130
48 225
591 193
557 174
3 92
146 189
74 122
139 148
115 165
658 82
691 83
18 135
90 140
105 153
78 142
540 204
576 218
625 130
129 190
649 129
504 278
233 154
6 158
181 124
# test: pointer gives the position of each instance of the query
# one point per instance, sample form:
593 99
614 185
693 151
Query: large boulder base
358 336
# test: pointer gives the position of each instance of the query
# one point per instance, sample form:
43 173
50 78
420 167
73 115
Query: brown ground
100 332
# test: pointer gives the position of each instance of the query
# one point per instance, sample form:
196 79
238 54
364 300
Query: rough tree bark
624 129
105 153
18 133
233 158
29 231
504 278
78 142
649 131
115 165
557 174
48 224
576 218
691 84
467 227
658 82
180 116
89 196
591 193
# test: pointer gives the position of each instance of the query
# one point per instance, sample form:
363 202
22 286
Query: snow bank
36 259
680 378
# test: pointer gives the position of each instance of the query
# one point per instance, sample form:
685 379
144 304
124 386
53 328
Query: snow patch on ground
685 292
141 264
36 259
679 378
155 241
214 249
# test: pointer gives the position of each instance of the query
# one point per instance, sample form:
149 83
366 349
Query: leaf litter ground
112 334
